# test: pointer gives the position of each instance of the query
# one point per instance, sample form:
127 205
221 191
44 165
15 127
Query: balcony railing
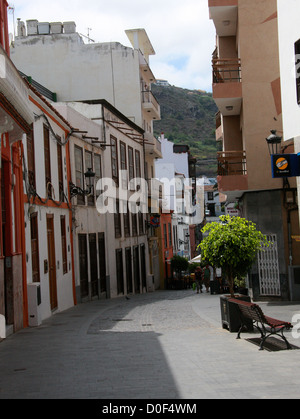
226 70
232 163
148 97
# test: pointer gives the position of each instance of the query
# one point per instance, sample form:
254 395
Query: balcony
219 127
226 70
152 146
150 104
224 15
227 85
15 113
232 172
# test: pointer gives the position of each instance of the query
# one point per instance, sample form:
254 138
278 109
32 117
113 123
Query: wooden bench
267 326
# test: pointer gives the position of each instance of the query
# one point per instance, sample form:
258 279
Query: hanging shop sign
285 165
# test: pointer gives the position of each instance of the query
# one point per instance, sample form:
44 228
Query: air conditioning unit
34 304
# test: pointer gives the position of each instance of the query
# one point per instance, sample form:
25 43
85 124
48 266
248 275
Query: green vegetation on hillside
188 117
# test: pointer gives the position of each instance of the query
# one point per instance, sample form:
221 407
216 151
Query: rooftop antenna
88 36
11 10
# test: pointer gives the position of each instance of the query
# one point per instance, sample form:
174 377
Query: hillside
188 117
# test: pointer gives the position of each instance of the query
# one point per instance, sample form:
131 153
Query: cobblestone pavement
161 345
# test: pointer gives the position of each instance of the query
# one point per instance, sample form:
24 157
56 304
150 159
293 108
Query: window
141 223
170 234
64 243
79 172
165 235
89 165
138 168
210 196
175 238
98 172
297 63
123 164
126 219
130 163
60 172
134 221
114 159
31 160
137 164
47 162
117 218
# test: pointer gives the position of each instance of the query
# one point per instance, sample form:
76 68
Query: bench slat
254 312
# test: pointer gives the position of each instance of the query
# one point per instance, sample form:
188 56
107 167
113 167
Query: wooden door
51 262
128 269
35 259
136 267
119 268
102 261
93 264
83 265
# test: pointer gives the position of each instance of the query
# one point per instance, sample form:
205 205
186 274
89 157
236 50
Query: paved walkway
162 345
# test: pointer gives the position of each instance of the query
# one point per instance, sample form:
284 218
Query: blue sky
181 33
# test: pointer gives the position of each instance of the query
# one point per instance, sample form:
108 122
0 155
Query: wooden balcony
227 85
226 70
232 173
232 163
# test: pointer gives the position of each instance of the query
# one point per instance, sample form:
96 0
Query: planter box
230 314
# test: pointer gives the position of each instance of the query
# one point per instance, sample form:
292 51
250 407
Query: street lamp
274 142
76 190
283 165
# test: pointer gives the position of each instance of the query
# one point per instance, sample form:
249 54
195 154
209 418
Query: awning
197 259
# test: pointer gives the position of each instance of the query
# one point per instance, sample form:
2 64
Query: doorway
83 266
93 264
102 262
51 262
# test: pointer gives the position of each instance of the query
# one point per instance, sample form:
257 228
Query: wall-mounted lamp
283 165
274 142
76 190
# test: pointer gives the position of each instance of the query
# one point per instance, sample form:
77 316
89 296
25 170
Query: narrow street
162 345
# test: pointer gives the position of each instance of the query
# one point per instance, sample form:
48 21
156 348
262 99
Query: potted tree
179 264
232 245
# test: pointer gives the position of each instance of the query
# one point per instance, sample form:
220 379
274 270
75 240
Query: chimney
21 28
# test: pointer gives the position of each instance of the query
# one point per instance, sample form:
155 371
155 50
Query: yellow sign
282 163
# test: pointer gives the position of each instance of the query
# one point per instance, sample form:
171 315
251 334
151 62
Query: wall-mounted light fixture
274 142
283 165
76 190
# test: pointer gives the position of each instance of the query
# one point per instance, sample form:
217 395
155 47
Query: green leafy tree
231 245
179 264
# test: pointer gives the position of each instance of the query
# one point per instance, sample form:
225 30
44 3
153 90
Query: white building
57 57
289 54
182 194
48 216
289 57
110 249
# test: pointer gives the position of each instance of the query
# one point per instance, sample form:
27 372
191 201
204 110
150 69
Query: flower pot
230 314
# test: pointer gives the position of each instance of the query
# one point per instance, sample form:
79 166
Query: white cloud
181 33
